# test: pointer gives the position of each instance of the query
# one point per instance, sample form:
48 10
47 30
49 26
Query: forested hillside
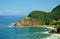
46 17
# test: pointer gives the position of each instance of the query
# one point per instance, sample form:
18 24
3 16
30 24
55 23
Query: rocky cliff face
26 22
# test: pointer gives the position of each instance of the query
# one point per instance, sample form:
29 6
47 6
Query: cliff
26 22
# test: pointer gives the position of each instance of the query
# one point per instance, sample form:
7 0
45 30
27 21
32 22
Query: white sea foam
47 32
53 36
11 24
35 33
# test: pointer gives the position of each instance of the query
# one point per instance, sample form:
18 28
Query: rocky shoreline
52 27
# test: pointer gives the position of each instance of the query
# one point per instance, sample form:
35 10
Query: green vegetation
58 25
56 13
46 17
27 19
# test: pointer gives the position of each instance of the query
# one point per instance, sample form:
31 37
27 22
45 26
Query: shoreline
47 26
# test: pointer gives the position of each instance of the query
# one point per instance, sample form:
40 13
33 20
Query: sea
9 32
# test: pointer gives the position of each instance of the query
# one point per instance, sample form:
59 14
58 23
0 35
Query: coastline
46 26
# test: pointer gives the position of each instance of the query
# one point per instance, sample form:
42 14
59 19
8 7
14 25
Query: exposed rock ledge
57 31
26 22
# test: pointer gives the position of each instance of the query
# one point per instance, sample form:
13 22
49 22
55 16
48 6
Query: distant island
36 18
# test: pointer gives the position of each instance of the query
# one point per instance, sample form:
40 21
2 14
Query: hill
41 18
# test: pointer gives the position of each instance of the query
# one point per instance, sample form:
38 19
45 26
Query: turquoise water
7 32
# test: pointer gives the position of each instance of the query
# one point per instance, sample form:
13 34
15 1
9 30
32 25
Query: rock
17 24
55 31
58 30
26 22
52 31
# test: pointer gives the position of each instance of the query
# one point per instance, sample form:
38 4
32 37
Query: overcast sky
23 7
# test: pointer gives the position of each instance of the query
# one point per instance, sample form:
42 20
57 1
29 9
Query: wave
34 33
7 25
53 36
11 24
47 32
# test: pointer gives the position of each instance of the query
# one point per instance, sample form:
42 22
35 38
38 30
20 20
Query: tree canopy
46 17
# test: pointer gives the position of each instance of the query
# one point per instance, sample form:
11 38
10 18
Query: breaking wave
53 36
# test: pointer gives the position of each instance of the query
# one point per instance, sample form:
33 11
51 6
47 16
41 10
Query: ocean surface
7 32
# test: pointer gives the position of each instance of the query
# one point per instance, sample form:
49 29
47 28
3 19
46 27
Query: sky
24 7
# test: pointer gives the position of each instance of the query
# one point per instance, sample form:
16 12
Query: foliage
45 17
56 13
58 26
27 19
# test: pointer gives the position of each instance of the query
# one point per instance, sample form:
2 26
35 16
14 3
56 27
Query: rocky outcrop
52 31
26 22
57 30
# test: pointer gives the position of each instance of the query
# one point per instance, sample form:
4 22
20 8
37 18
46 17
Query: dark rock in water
58 30
52 31
55 31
